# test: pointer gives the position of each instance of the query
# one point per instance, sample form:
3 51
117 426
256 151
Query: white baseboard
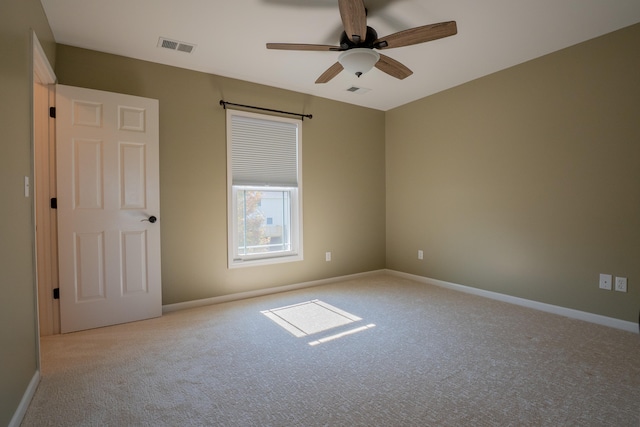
563 311
26 400
549 308
251 294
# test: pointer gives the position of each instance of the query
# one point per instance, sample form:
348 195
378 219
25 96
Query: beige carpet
435 357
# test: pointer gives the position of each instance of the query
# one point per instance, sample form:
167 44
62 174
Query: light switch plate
605 282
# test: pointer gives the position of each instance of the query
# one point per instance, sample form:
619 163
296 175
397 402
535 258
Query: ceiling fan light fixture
359 60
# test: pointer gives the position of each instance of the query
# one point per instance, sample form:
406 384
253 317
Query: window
264 189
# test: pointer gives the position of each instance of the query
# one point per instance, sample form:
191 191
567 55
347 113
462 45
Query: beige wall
18 334
525 182
343 175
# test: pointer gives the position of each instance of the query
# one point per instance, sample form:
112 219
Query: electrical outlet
605 281
420 254
327 256
621 284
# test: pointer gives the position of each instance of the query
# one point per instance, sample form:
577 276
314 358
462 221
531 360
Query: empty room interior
461 239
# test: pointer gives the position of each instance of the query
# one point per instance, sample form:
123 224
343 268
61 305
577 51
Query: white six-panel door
108 188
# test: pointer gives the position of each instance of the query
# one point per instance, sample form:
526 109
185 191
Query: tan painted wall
343 175
18 334
525 182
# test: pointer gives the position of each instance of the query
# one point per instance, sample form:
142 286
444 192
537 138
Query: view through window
264 221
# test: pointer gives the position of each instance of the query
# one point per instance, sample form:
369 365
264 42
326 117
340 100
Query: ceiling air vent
175 45
356 89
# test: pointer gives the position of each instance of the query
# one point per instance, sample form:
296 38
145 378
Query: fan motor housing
371 37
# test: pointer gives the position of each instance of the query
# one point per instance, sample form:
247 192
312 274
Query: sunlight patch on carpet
342 334
309 317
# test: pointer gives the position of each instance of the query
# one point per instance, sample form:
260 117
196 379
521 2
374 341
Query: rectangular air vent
356 89
175 45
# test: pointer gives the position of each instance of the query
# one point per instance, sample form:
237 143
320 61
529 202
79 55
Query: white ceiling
230 38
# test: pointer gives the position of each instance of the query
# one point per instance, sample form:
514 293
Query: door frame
44 187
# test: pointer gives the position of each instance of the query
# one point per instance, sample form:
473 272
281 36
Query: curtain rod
302 116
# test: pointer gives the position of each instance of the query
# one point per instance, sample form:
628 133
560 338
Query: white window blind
264 152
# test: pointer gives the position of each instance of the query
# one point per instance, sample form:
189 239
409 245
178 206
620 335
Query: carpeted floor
429 357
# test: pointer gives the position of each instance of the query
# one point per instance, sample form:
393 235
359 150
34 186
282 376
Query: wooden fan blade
331 72
393 67
354 19
416 35
301 46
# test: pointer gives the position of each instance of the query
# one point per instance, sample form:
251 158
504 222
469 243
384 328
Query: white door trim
42 70
43 142
42 74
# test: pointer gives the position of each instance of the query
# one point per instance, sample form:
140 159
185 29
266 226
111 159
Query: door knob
151 219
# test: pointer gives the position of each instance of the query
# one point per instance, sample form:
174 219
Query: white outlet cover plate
621 284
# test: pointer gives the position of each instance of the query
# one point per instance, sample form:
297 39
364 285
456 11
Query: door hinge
56 293
54 203
52 112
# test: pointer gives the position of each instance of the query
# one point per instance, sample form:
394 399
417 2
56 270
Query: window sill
251 262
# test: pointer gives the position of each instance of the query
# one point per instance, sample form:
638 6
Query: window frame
296 251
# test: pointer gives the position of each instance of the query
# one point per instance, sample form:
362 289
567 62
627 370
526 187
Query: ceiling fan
358 41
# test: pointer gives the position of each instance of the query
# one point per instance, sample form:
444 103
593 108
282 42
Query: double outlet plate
606 281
